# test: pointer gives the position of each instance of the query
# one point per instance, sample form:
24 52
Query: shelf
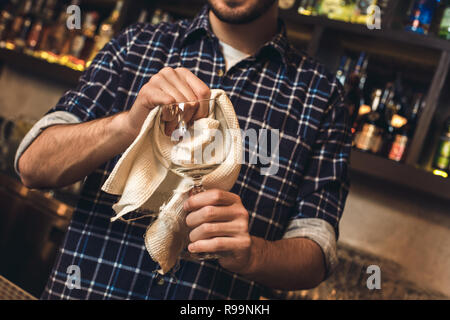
40 67
401 174
430 41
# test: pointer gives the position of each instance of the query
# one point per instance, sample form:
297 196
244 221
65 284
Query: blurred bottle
343 69
106 30
6 19
361 13
83 42
70 34
59 32
157 17
143 17
422 16
337 9
442 156
18 23
370 139
35 33
48 15
354 87
308 7
444 28
404 132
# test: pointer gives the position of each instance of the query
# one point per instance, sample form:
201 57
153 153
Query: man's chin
239 11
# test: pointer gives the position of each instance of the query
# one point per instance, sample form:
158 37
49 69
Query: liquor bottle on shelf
441 161
70 35
83 42
405 132
370 139
143 17
344 69
308 7
354 87
422 16
18 23
444 28
337 9
6 19
35 33
48 25
361 13
157 17
106 30
59 32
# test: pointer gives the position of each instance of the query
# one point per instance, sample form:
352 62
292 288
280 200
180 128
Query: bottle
35 33
21 38
18 23
106 30
442 156
405 130
372 133
6 19
337 9
83 42
368 135
361 13
444 28
70 34
47 27
343 70
354 88
308 7
157 17
59 33
422 15
143 17
397 151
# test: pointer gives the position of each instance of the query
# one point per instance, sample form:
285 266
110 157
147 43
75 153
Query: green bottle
442 156
444 29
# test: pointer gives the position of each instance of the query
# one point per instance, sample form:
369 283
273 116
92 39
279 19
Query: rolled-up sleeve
324 188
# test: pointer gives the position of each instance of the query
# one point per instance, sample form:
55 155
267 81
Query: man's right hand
166 87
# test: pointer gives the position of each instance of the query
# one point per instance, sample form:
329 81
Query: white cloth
143 181
231 55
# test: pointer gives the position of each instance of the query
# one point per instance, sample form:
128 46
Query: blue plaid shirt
277 88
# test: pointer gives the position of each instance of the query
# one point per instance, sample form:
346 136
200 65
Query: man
280 229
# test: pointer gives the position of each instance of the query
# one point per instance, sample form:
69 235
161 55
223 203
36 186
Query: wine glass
182 160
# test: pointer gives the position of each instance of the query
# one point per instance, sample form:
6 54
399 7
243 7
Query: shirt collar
201 24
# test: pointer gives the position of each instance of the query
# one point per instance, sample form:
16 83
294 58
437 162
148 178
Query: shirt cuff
51 119
321 232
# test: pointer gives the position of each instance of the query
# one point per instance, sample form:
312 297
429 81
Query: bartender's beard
240 11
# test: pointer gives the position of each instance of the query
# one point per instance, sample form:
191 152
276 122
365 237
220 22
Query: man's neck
247 38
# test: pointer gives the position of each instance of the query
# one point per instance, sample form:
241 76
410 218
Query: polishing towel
142 178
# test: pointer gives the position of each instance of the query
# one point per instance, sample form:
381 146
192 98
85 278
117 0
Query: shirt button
220 72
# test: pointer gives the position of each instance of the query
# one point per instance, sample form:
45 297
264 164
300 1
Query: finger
210 214
153 97
212 197
218 244
179 83
175 81
213 230
168 87
200 89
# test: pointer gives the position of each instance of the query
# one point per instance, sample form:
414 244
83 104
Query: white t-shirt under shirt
231 55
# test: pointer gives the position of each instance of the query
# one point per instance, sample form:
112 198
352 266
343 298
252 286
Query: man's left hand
219 224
